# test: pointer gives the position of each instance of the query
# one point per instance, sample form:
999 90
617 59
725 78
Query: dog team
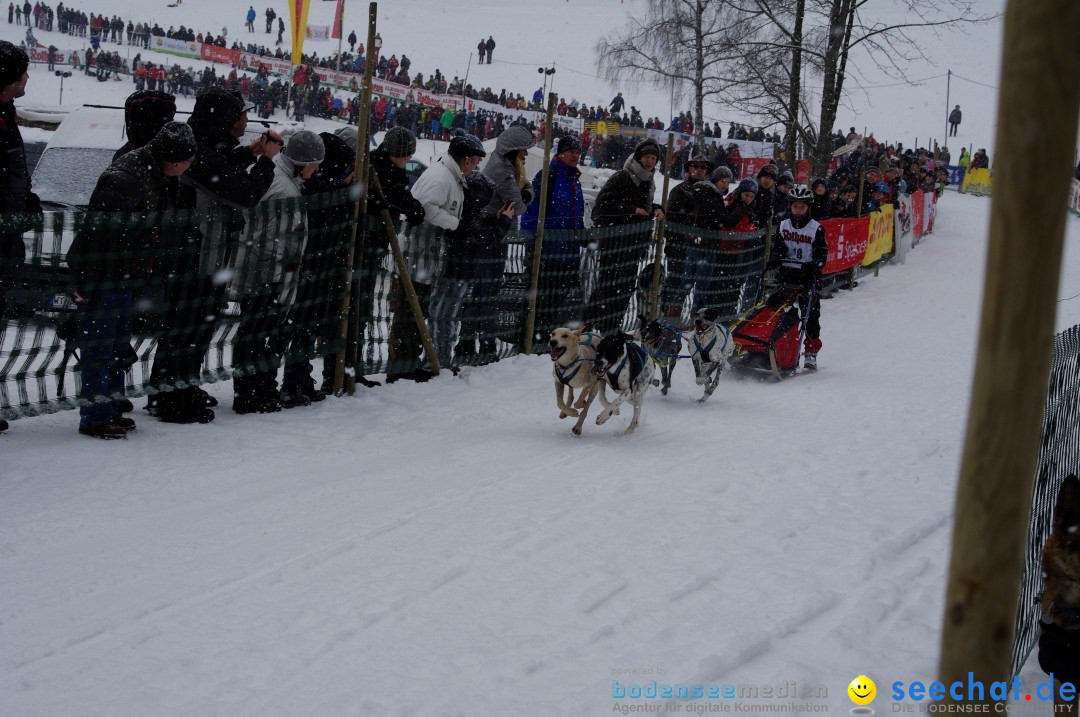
588 363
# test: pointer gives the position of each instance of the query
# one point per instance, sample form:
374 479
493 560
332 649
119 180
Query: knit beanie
174 142
13 63
399 142
646 146
567 143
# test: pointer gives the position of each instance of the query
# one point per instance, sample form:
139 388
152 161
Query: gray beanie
305 147
348 134
174 142
721 172
399 142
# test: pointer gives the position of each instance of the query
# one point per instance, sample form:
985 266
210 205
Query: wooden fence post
534 280
654 290
1041 59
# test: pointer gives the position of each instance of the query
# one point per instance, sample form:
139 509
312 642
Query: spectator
560 255
695 204
490 47
441 191
481 49
980 160
145 113
617 104
266 277
107 264
352 40
819 206
627 199
224 177
954 120
17 202
765 202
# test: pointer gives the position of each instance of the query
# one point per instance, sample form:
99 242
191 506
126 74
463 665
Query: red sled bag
767 337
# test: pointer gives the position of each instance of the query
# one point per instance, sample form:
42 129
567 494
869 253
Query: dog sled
769 336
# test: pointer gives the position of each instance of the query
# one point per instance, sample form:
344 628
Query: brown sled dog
1059 643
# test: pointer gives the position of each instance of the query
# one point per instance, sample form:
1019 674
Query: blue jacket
565 214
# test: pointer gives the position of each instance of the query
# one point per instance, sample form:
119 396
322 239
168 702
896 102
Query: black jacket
117 242
620 196
395 186
18 203
697 204
478 237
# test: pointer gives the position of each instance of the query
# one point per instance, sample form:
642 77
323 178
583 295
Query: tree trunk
699 73
791 136
841 20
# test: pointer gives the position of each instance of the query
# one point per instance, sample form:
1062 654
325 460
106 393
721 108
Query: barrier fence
1059 455
216 294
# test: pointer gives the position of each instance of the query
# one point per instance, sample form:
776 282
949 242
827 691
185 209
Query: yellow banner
977 181
880 240
298 13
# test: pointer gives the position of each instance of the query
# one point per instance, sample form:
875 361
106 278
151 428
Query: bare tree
680 45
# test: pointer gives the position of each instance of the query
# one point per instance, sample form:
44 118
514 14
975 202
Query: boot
184 406
3 426
105 431
810 362
126 423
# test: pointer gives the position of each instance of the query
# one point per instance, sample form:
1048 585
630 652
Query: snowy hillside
435 34
450 548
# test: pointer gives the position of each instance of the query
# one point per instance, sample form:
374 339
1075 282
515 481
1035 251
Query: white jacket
441 189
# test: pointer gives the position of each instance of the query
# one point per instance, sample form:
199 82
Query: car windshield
68 175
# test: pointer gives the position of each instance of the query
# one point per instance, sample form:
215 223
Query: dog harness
637 357
669 336
707 348
564 374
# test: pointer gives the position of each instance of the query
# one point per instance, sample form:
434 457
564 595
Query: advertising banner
213 53
956 175
880 237
847 243
41 54
751 165
802 171
319 33
918 210
170 46
977 182
570 124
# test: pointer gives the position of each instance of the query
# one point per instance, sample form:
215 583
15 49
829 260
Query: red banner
918 213
339 16
751 165
802 171
847 240
213 53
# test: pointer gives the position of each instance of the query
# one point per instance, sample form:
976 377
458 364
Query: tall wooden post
654 291
1041 59
350 348
534 280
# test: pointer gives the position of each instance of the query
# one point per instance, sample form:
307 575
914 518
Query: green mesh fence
173 300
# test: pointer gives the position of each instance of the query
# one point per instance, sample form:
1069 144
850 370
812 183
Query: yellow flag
298 13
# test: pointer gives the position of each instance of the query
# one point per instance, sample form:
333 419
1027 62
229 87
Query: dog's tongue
555 353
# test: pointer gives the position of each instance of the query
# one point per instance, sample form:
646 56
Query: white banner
570 124
175 47
318 32
60 57
512 113
747 150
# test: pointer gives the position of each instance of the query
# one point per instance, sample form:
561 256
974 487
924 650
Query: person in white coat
441 189
264 282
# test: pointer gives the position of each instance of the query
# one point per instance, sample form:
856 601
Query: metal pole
530 318
359 210
1016 337
654 291
948 81
465 82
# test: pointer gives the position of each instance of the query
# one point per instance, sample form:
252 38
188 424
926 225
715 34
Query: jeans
688 268
447 299
104 346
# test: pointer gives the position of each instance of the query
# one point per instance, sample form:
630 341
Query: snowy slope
435 34
450 548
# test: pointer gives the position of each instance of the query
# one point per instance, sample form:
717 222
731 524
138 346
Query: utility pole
948 82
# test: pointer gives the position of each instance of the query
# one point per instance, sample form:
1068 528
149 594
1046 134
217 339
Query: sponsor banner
930 205
956 175
319 33
272 64
41 55
847 243
570 124
802 171
751 165
1074 197
746 149
902 229
879 239
977 182
175 47
491 108
918 211
213 53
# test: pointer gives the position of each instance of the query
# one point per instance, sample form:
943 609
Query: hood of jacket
637 173
513 139
215 113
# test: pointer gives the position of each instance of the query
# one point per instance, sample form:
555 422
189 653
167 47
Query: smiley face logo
862 690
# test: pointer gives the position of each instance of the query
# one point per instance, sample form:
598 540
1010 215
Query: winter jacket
696 204
965 159
225 177
395 185
954 116
272 244
17 202
478 238
500 170
980 161
564 215
628 189
441 191
740 217
114 253
765 206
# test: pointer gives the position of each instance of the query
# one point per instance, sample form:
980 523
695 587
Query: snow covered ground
450 548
